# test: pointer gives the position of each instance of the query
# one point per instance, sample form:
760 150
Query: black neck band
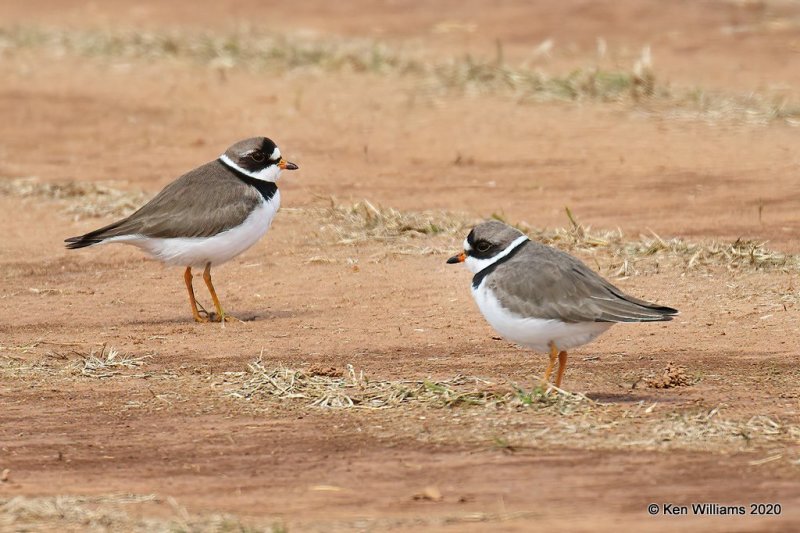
266 188
478 278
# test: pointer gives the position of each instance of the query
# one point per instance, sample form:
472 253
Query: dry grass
355 390
644 426
363 221
70 512
503 414
627 256
101 362
13 367
84 199
709 426
111 513
638 85
107 362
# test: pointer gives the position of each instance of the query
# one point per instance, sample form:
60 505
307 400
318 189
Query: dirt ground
168 432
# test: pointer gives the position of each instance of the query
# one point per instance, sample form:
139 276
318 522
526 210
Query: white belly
534 333
199 251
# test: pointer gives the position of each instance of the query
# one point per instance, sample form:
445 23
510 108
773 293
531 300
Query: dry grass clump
106 363
246 49
709 106
354 390
363 221
506 410
111 513
739 254
618 426
70 513
14 367
625 255
471 75
86 199
101 362
707 427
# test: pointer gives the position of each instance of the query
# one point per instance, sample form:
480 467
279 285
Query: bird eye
482 246
257 156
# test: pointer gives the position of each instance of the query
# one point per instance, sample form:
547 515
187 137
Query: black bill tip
458 258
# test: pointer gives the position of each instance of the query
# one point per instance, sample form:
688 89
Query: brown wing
201 203
548 283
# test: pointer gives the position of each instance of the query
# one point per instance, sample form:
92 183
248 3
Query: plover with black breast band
207 216
542 298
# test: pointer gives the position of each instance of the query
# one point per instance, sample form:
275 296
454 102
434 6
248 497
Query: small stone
429 493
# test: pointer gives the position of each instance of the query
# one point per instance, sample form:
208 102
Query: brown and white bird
205 217
542 298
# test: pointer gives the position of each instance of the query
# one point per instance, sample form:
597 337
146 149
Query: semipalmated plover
543 298
207 216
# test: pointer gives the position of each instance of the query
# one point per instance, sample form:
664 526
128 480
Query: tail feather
93 237
81 242
644 311
623 310
652 313
657 312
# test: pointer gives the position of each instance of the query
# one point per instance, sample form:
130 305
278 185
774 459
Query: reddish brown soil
397 315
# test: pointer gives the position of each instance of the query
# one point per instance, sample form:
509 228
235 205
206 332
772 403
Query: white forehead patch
467 247
276 154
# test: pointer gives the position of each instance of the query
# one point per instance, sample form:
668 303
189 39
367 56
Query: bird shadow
631 397
275 314
256 316
246 317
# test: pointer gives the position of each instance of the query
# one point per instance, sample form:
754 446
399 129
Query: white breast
199 251
534 333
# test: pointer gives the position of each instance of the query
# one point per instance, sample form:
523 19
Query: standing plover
207 216
543 298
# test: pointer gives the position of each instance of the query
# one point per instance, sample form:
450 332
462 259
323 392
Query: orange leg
207 278
562 365
187 277
553 356
221 316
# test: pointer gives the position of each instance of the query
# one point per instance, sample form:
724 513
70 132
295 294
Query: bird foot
545 390
202 316
224 317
